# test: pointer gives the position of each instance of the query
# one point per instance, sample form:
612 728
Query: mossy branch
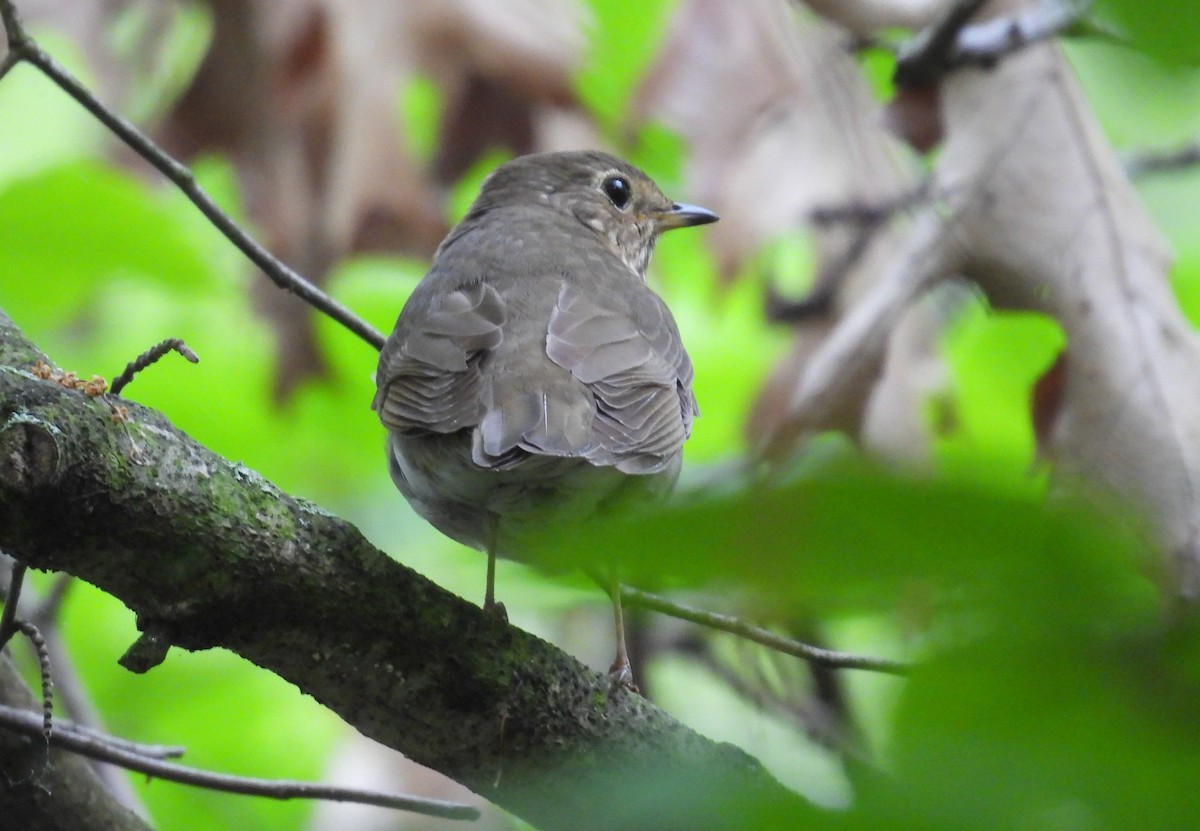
208 553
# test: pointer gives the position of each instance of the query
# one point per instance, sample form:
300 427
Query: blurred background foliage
1054 690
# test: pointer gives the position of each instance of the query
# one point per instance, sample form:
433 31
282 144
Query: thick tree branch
208 553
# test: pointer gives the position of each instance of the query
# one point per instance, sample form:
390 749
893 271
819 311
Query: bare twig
10 60
929 55
1145 163
819 722
872 213
134 757
148 357
43 655
25 721
986 43
72 697
867 219
8 617
22 47
730 624
951 44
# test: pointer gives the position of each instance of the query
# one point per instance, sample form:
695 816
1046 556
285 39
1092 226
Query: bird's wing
428 376
633 362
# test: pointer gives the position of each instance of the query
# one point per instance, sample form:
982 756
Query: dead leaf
304 97
778 122
1039 214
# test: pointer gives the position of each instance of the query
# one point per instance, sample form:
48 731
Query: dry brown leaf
777 118
866 17
304 97
1045 218
1038 212
780 123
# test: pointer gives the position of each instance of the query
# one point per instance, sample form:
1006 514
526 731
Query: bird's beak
684 216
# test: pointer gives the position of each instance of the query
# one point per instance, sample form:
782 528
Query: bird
533 377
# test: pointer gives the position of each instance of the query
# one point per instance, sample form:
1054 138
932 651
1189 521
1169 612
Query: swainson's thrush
532 376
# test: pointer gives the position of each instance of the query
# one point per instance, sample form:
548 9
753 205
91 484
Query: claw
620 675
496 609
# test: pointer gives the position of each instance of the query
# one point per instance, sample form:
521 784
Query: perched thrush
532 376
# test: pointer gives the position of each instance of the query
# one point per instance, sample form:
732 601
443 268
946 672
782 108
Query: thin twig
951 44
150 751
8 617
10 60
984 44
818 721
150 356
43 655
1145 163
727 623
25 48
110 750
872 213
866 219
928 56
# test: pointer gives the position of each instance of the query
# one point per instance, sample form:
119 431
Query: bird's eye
617 189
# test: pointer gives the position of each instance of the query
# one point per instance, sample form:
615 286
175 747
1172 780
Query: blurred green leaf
66 230
1137 100
860 539
41 125
176 38
995 359
467 188
1168 30
624 38
420 111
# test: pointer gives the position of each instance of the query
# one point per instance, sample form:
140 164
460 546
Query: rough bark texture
55 791
208 553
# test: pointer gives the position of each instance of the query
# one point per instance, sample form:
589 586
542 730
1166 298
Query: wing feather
429 375
634 364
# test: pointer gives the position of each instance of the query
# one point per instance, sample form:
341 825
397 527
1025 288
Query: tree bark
51 790
208 553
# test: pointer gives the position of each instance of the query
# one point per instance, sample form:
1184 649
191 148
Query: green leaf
624 39
1168 30
67 229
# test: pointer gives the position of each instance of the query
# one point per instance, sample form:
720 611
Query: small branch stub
147 652
149 357
29 454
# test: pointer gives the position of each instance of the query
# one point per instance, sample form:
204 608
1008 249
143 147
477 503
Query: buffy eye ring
618 190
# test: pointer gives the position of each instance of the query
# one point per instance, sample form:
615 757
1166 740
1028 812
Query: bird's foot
620 675
496 610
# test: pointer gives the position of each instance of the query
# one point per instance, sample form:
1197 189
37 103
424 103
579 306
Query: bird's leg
489 595
620 672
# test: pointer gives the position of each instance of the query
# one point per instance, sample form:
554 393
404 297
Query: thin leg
489 595
621 671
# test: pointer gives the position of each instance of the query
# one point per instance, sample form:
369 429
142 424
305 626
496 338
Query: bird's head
610 197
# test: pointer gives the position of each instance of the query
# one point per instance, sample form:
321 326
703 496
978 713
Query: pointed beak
684 216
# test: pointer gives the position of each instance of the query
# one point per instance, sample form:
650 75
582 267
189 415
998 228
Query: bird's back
531 376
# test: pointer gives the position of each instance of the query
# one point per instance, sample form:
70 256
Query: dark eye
617 189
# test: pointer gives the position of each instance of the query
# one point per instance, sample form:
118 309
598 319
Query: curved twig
22 47
730 624
146 760
8 617
149 357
